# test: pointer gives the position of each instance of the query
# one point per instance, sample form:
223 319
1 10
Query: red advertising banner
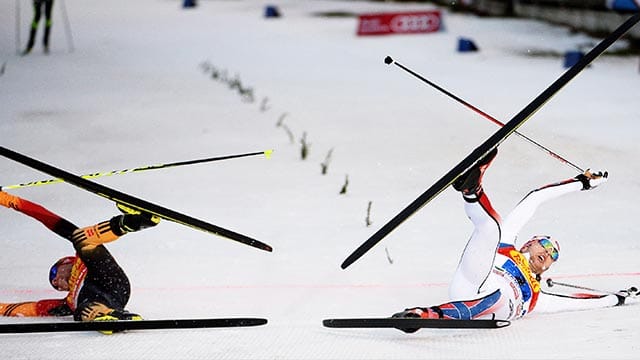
399 23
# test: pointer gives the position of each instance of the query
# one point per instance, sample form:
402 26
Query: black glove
591 180
623 295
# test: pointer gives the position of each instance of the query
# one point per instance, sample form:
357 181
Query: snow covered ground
137 89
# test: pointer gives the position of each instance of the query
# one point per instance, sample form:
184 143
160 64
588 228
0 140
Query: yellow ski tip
268 153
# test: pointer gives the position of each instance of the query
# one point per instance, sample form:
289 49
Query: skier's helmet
551 245
54 269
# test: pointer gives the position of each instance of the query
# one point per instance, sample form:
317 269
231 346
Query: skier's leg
34 25
477 308
107 231
106 288
47 24
484 307
477 258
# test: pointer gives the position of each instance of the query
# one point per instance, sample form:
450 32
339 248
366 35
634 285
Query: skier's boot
32 39
134 219
433 312
96 311
470 183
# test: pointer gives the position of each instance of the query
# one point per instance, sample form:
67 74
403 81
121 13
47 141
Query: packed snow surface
134 83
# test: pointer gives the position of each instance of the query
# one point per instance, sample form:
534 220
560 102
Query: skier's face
61 281
540 259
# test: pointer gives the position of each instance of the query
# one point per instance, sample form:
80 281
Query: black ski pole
388 60
18 40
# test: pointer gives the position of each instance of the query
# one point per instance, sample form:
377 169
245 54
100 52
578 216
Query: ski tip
268 153
388 60
255 322
502 323
350 260
265 247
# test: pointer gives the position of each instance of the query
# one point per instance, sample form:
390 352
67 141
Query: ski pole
18 25
388 60
67 26
551 283
266 153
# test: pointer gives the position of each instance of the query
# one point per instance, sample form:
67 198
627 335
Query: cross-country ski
155 92
118 326
399 323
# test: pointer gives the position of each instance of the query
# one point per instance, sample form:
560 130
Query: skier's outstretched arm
550 302
52 221
52 307
525 209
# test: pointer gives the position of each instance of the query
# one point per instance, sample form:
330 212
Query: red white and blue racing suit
493 278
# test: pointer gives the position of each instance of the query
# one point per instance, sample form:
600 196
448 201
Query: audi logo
417 23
